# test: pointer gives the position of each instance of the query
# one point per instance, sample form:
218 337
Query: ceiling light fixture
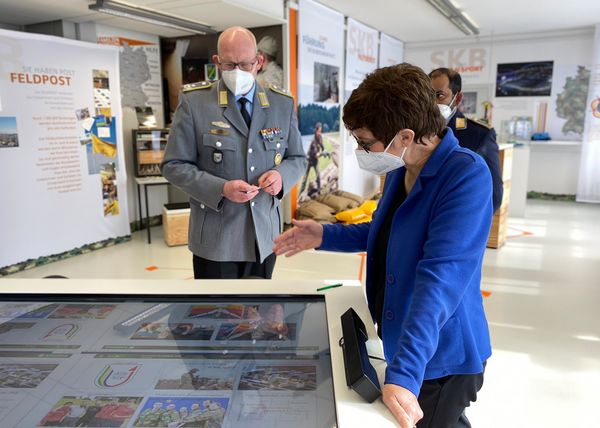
127 10
459 18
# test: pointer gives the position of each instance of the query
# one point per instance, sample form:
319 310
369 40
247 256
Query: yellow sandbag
368 207
351 215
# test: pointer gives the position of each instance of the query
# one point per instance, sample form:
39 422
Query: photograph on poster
9 136
279 378
100 79
524 79
105 113
180 331
196 377
94 411
82 114
468 105
83 311
200 412
103 147
326 83
7 327
108 178
24 375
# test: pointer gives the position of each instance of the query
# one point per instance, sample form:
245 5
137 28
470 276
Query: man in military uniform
471 134
270 73
235 149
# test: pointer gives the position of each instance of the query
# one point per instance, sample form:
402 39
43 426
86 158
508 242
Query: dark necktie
245 114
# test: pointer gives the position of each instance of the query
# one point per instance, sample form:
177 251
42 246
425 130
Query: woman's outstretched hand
305 234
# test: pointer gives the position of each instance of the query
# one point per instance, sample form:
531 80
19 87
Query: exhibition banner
588 189
61 151
361 59
391 51
139 68
320 62
361 54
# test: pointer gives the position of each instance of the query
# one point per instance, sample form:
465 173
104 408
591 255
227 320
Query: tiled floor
544 309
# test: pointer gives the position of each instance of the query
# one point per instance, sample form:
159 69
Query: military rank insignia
278 158
217 156
461 123
219 131
271 135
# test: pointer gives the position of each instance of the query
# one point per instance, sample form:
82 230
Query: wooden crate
497 236
176 225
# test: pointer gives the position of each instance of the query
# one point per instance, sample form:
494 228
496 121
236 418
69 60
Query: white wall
479 60
552 168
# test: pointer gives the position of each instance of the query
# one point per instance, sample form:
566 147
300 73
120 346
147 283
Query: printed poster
61 146
320 63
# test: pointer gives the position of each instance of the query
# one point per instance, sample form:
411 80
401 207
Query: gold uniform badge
278 158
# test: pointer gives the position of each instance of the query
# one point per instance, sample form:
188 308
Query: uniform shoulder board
195 86
481 123
281 91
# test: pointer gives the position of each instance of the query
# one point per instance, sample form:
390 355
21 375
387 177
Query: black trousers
444 400
208 269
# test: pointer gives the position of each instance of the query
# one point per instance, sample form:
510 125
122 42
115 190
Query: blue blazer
433 319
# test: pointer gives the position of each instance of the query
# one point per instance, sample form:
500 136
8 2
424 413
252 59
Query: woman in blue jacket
424 247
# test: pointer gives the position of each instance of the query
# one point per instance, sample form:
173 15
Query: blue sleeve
452 254
345 238
488 150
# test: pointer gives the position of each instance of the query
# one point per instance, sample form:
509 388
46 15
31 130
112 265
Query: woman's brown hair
395 98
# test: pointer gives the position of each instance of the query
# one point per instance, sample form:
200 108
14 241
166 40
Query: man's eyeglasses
244 66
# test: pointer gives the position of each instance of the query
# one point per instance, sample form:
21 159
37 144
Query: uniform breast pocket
219 155
275 149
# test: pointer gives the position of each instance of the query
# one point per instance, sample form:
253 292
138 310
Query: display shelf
149 151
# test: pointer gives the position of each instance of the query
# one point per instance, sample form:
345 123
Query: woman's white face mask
379 163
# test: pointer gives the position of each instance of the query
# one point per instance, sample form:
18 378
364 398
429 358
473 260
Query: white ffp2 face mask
379 163
238 81
446 110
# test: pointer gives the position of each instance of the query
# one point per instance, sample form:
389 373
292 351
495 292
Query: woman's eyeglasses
365 145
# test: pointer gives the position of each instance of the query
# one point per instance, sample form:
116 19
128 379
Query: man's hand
304 235
403 404
271 182
239 191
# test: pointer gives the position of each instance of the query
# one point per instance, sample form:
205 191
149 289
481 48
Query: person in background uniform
314 153
270 73
471 134
234 147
